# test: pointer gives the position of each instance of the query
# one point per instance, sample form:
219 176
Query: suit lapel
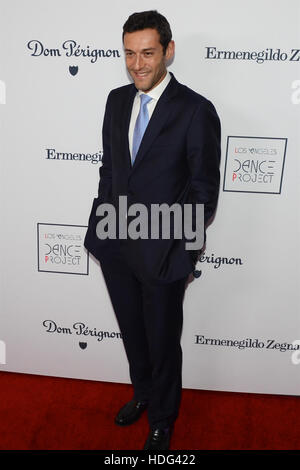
157 121
124 124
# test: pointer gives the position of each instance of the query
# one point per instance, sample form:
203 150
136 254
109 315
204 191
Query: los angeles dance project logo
61 250
254 164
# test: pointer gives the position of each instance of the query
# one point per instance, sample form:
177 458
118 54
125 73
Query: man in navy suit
175 159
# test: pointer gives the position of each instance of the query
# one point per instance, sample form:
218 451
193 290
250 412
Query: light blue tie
140 125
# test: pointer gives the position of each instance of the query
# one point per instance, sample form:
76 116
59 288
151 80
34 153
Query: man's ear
170 51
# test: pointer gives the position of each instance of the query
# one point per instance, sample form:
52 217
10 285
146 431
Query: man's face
145 59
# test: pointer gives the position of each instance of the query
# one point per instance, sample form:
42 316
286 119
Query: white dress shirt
155 94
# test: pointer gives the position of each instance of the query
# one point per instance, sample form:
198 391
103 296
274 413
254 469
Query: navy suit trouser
150 318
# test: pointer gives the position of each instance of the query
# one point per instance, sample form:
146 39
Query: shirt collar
157 91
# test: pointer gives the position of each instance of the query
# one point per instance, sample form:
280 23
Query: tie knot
145 99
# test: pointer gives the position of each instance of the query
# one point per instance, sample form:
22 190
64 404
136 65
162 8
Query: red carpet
43 413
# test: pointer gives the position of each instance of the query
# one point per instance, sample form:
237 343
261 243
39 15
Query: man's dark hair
149 19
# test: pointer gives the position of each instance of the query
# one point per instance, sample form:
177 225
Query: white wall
257 223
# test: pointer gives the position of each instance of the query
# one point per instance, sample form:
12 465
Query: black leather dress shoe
130 412
158 439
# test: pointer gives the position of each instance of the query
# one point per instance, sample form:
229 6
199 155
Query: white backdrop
241 316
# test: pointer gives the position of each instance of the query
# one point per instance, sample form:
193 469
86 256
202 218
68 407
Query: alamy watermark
2 92
2 352
296 353
295 97
166 221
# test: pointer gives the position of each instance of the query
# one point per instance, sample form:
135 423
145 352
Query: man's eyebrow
143 50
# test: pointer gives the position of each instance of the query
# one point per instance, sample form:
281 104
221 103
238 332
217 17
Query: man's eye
128 53
148 53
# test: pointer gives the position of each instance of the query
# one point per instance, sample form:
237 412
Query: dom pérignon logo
73 69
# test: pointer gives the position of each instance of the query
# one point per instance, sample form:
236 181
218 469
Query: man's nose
138 62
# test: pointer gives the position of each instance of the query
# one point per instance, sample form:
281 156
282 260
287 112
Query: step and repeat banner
59 60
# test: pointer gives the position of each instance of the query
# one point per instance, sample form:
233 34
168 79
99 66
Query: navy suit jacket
177 162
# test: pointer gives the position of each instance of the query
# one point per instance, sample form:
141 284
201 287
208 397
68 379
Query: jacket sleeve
105 171
203 156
